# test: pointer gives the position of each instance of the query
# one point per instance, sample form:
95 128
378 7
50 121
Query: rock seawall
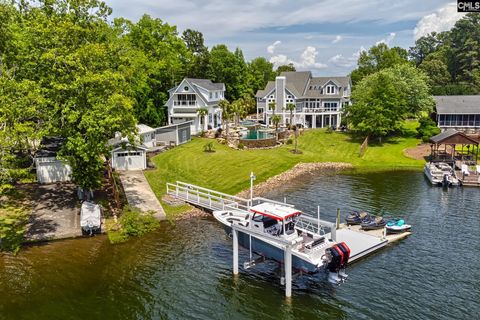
299 170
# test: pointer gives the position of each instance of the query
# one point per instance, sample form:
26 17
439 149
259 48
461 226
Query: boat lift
361 243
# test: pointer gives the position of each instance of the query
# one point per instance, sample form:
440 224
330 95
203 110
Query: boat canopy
275 211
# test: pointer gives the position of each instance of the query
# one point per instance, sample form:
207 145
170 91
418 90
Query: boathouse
461 113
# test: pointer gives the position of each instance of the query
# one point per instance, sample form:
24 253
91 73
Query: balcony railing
185 103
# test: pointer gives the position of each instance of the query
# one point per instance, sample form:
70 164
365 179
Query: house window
311 88
211 96
185 88
330 89
216 94
330 106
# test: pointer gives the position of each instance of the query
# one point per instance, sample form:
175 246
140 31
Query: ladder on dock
206 198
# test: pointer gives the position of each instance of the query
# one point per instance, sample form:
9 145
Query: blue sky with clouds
324 36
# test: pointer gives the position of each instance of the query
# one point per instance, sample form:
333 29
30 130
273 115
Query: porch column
323 120
314 121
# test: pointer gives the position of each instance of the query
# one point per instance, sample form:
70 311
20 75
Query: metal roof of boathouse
275 211
453 136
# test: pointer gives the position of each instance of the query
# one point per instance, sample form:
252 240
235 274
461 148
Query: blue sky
324 36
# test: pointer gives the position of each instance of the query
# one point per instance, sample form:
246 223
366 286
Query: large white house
190 96
318 100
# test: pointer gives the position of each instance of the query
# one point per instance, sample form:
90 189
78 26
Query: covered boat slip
460 151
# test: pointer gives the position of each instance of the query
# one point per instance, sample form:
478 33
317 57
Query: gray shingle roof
206 84
458 104
299 82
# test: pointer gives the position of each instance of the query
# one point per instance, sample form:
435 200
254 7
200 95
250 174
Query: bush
208 147
132 223
241 146
218 133
289 141
427 129
12 228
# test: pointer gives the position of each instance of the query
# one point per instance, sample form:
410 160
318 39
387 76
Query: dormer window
210 95
330 89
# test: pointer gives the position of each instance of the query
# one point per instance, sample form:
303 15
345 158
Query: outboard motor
346 255
334 265
445 181
340 254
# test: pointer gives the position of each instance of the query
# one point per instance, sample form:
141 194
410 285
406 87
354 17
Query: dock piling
235 251
337 222
288 271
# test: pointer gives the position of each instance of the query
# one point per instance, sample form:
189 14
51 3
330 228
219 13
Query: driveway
139 194
56 213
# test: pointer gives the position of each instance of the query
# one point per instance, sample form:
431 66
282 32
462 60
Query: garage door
133 160
55 171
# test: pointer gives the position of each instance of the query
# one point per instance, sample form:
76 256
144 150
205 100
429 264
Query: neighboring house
190 96
49 168
125 156
318 100
461 113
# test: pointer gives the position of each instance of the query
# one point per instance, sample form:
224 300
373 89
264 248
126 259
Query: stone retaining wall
262 143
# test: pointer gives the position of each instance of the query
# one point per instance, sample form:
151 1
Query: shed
147 135
124 156
175 134
49 168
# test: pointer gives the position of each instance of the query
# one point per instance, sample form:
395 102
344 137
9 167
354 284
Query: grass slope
227 170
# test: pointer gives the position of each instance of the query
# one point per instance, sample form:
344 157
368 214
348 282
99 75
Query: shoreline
299 170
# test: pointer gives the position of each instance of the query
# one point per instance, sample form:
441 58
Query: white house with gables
190 96
318 100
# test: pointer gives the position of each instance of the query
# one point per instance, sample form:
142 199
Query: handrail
209 190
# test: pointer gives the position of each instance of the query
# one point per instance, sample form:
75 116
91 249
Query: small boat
357 217
397 226
90 218
373 223
441 174
268 225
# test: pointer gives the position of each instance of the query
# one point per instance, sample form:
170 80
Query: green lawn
227 170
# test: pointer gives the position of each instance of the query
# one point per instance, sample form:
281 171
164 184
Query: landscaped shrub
427 129
218 133
208 147
132 223
241 146
289 141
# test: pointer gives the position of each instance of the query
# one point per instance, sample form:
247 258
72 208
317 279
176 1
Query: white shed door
130 160
50 172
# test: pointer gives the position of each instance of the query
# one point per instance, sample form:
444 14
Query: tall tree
285 68
423 47
383 100
196 45
260 72
377 58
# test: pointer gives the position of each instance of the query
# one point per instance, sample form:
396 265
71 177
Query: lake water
184 271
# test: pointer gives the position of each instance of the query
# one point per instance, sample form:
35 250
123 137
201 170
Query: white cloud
346 62
441 20
307 60
388 39
337 39
271 48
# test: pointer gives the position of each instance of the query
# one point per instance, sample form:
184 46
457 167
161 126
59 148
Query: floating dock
361 243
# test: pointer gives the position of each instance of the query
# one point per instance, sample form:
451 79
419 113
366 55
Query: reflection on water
184 270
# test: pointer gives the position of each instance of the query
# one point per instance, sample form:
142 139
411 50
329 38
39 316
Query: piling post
338 219
235 251
288 271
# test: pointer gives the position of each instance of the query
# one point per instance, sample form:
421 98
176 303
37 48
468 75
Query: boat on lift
441 174
268 226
